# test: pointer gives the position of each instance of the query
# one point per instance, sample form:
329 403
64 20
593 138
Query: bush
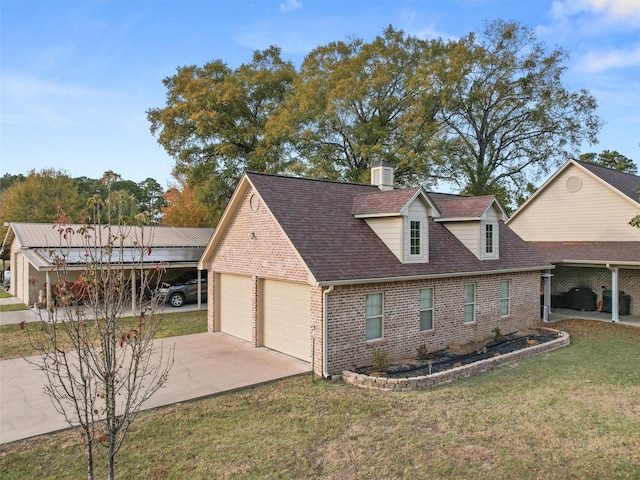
380 360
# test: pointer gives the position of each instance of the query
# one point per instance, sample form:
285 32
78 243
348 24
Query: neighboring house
579 220
329 272
32 248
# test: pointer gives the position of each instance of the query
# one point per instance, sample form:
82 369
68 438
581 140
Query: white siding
389 229
468 233
592 213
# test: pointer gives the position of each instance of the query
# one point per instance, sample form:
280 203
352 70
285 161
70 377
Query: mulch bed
447 359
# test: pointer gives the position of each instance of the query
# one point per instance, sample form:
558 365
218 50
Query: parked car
184 290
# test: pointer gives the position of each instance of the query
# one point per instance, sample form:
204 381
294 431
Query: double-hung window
469 303
426 309
415 234
374 316
505 293
489 245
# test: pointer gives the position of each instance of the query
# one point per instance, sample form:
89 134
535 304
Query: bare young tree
100 367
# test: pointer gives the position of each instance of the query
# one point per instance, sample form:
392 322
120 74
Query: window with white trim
426 309
505 294
489 239
469 303
415 236
374 316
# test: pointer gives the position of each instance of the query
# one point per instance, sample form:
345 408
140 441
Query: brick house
579 221
328 272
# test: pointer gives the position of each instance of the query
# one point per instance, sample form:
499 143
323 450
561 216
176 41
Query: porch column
547 296
615 294
48 287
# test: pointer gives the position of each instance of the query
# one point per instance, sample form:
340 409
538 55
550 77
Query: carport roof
42 243
590 253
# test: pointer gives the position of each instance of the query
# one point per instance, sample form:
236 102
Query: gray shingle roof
318 219
590 252
626 183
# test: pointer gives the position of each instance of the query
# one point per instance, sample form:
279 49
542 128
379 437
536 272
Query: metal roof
43 244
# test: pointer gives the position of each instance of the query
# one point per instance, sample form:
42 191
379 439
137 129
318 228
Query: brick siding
348 347
269 254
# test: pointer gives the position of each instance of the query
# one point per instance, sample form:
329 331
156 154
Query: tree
100 369
357 103
7 180
181 209
151 199
37 197
214 121
506 115
610 159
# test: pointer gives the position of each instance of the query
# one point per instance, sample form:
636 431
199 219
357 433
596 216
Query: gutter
358 281
325 329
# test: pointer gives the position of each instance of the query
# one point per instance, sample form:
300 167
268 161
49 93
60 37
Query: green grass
4 294
572 413
15 343
13 307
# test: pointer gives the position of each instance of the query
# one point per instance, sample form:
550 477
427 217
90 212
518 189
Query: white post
615 295
48 286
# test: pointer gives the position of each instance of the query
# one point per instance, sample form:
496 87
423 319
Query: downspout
615 295
325 329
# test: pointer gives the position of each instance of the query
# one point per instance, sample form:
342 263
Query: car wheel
176 300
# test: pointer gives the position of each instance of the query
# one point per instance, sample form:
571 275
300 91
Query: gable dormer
475 221
400 218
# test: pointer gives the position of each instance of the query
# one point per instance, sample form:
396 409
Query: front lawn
15 343
571 413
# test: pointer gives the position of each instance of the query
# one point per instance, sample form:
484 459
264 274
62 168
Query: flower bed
445 367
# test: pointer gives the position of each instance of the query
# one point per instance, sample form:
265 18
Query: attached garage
286 318
236 306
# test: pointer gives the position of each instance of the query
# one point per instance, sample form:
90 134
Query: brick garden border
441 378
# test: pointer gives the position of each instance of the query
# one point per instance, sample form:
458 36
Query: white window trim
423 256
507 298
483 240
381 316
431 309
420 236
464 303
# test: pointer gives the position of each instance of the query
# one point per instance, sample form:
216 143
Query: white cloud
619 58
290 5
624 11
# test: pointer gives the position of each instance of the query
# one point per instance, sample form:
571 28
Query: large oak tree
214 121
357 103
507 116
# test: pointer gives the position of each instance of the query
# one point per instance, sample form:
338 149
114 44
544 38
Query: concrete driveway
205 364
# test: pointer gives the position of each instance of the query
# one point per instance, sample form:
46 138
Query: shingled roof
318 217
596 253
625 183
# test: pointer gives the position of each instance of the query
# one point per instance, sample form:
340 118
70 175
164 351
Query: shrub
380 360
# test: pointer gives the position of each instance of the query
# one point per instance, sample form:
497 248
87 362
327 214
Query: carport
33 249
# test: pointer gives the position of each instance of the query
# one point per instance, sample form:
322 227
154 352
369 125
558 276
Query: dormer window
489 241
489 246
415 234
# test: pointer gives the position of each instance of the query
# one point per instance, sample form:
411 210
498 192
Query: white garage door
287 318
235 306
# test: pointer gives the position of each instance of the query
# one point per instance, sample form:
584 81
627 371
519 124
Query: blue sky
77 76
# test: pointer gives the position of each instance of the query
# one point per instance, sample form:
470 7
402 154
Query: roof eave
408 278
